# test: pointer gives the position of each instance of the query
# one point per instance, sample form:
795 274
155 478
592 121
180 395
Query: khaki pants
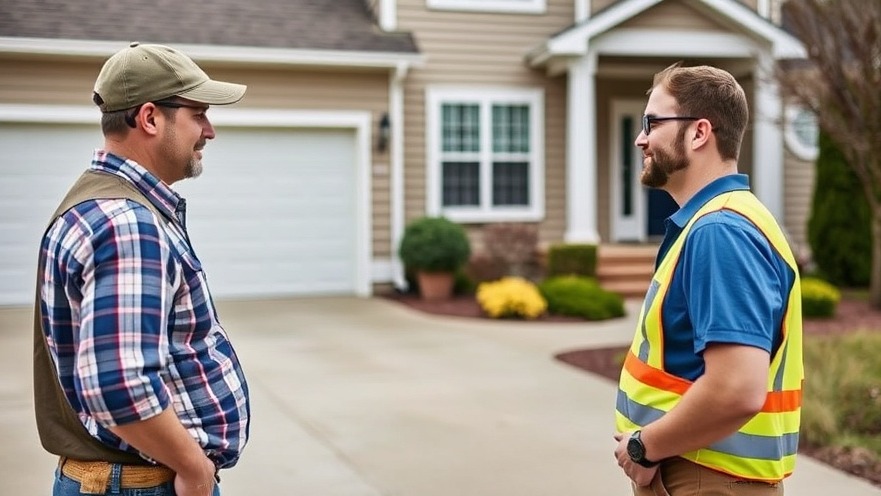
679 477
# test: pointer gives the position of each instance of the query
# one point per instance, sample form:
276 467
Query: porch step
626 269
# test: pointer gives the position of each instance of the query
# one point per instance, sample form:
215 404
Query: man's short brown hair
713 94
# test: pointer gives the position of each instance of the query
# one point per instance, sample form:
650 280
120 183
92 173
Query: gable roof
574 40
315 25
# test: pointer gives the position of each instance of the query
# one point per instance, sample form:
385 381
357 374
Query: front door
638 212
628 195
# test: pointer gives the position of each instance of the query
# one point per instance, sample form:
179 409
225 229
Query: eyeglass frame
648 120
130 117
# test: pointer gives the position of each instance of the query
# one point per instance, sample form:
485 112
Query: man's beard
662 164
194 168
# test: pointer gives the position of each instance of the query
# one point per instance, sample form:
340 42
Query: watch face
635 449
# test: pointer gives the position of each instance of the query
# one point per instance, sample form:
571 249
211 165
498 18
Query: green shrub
572 259
839 226
818 298
511 297
434 244
581 297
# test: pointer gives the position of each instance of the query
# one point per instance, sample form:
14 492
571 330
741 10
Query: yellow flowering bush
818 298
511 297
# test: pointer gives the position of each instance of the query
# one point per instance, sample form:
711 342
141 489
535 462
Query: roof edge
217 53
574 40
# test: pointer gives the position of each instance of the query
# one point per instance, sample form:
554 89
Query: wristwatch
636 450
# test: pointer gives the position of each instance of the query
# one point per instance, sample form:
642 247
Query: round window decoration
802 132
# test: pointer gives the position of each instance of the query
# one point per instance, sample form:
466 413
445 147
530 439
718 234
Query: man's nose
642 140
208 130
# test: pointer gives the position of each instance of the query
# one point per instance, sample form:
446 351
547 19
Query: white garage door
274 213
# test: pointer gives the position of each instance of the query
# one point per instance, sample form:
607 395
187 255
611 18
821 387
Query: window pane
806 128
511 128
627 166
461 183
460 127
511 183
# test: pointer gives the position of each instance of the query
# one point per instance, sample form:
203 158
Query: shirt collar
724 184
159 193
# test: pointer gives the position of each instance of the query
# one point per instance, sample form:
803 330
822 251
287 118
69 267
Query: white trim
575 41
582 10
668 43
795 145
497 6
243 117
767 156
382 270
396 149
388 15
763 7
215 53
581 153
485 96
633 229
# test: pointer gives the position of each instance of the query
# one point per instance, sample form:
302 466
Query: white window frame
795 145
485 97
500 6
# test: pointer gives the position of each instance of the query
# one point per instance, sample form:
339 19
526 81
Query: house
364 114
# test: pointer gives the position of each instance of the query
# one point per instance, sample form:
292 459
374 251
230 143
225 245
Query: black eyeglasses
130 118
648 120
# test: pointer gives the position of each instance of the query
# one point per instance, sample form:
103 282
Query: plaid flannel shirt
130 323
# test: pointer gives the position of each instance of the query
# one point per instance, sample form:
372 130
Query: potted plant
434 248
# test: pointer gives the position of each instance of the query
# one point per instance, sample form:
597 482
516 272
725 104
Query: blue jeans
65 486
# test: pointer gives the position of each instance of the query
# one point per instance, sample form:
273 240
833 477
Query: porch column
581 155
767 176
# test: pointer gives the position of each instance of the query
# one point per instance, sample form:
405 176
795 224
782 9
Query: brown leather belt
94 477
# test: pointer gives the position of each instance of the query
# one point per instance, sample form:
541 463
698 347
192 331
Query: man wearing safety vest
709 401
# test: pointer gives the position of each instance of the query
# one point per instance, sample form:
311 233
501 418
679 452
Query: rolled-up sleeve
122 344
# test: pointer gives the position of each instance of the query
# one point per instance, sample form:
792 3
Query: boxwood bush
818 298
581 297
572 259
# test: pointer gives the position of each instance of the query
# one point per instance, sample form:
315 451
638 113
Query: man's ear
148 118
702 131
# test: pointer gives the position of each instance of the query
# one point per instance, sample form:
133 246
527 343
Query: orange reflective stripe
775 401
782 401
653 377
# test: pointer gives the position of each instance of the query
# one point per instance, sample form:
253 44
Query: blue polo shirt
730 285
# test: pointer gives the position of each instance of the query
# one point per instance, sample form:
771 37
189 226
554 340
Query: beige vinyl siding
598 5
296 88
484 50
672 14
800 177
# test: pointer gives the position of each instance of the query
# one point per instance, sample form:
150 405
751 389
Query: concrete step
626 269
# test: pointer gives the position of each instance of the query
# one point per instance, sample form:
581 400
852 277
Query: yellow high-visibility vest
765 447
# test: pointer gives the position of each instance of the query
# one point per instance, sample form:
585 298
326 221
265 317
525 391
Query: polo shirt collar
725 184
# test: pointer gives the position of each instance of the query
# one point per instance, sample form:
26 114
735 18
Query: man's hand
641 476
200 483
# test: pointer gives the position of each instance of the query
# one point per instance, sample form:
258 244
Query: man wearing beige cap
137 387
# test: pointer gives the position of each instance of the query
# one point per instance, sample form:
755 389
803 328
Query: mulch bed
606 362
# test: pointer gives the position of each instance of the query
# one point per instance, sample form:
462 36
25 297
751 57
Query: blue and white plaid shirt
130 323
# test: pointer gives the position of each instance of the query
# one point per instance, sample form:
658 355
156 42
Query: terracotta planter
434 286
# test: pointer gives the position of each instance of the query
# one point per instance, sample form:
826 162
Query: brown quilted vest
61 431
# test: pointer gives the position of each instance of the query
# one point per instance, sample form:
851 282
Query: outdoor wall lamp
383 135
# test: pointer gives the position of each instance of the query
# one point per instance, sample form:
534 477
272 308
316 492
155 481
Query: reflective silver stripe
778 377
738 444
646 305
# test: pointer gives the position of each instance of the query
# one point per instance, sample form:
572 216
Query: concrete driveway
362 397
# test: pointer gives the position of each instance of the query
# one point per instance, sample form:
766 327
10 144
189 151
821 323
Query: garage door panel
294 211
273 214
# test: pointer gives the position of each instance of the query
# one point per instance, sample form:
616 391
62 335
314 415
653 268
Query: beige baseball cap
147 73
